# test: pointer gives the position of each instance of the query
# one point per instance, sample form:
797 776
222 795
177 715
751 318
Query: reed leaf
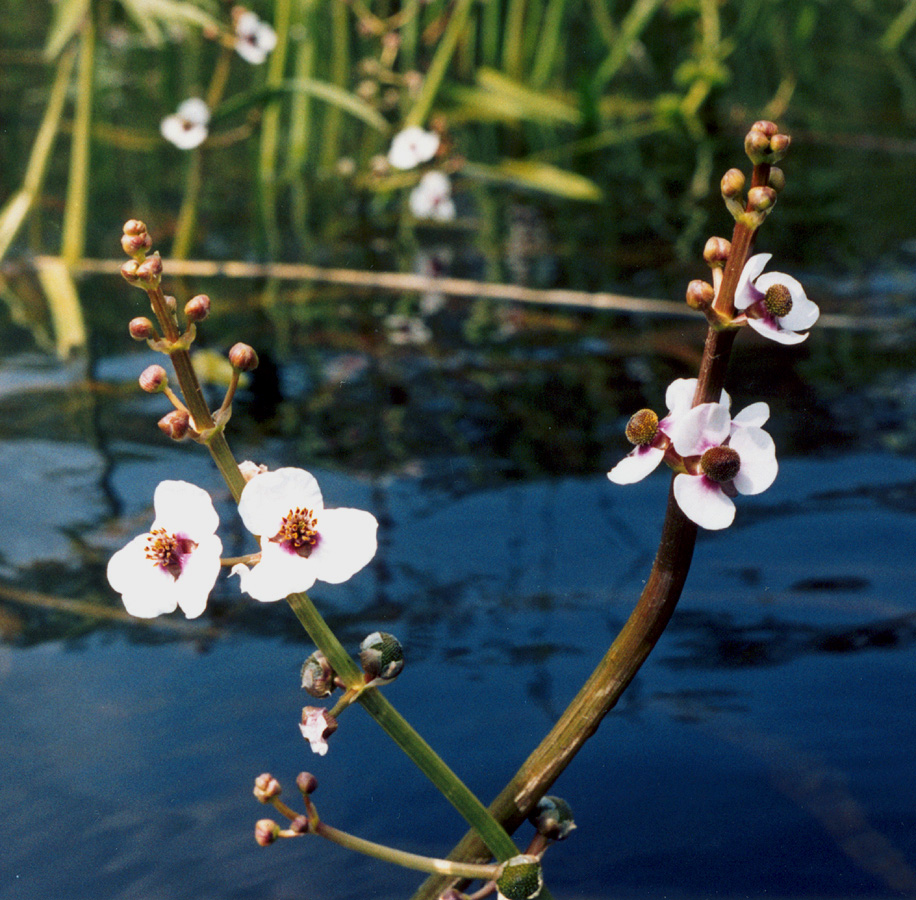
69 16
538 176
151 15
64 305
634 23
536 106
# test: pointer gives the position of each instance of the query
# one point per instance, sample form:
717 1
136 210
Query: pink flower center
298 532
168 551
720 464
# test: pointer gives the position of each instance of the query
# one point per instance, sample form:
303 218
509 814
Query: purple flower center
169 551
298 533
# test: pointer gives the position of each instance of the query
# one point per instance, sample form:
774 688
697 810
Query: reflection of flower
724 457
651 436
432 198
775 304
412 147
301 541
187 128
254 39
317 726
177 561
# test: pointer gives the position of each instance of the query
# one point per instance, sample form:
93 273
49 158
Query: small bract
187 127
301 541
175 564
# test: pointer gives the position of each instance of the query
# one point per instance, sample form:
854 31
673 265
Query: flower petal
702 427
769 328
703 501
746 292
758 460
145 589
346 543
184 508
756 414
193 586
277 575
267 499
636 465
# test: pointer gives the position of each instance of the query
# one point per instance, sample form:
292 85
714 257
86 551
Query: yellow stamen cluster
166 550
642 427
778 300
299 531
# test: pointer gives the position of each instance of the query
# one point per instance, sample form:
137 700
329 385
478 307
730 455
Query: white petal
758 460
184 508
634 467
183 135
679 395
702 427
267 499
346 543
194 111
411 147
804 312
746 292
703 502
756 414
201 569
143 586
277 575
769 329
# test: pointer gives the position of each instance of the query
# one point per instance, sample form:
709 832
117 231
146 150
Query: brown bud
761 199
243 357
266 831
171 302
732 183
197 308
141 329
149 272
716 251
306 782
299 825
175 424
136 245
757 146
129 271
134 227
266 787
700 294
153 379
779 143
766 127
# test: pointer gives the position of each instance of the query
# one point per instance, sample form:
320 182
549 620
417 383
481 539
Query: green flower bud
381 656
317 675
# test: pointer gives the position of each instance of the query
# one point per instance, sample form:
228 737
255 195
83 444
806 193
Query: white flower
775 304
432 198
316 726
724 457
187 128
254 39
412 147
301 541
651 444
177 561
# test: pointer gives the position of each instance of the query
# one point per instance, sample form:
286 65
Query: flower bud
266 831
700 294
716 251
171 302
732 183
299 825
757 146
381 657
776 179
243 357
149 272
553 818
266 787
153 379
765 127
317 675
136 245
134 227
129 271
175 424
141 329
520 878
761 199
307 783
250 469
197 308
779 145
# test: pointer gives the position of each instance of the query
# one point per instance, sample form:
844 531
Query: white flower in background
187 128
301 541
316 727
404 330
432 198
651 436
177 561
724 457
412 147
254 38
775 304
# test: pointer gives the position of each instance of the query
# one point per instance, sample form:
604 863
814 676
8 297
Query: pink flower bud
153 379
716 251
700 294
141 329
243 357
197 308
175 424
306 782
266 831
134 227
266 787
732 183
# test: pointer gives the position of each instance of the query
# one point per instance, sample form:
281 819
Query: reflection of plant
714 457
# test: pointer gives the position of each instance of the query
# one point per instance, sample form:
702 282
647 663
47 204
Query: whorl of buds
148 273
764 143
175 424
266 787
266 831
553 818
317 675
381 657
716 252
197 308
243 357
700 294
136 245
153 379
141 329
520 878
307 783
